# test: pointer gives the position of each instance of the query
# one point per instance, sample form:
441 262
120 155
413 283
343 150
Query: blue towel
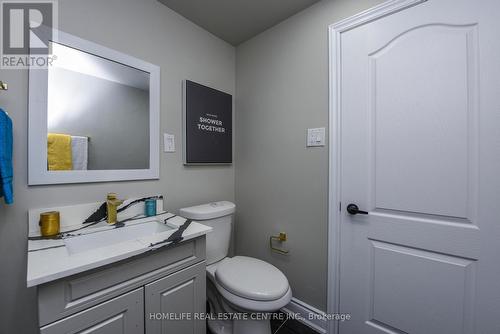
6 171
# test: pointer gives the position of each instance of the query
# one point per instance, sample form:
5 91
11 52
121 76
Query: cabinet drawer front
121 315
181 295
69 295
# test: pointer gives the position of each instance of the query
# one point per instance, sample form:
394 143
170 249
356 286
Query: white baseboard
307 314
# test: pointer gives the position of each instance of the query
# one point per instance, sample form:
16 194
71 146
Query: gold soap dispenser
112 204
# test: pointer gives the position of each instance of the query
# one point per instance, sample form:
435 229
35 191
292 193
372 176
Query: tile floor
288 327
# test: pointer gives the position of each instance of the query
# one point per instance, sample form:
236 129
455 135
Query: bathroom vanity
136 295
136 277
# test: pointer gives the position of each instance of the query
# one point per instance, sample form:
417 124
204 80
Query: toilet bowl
246 286
241 291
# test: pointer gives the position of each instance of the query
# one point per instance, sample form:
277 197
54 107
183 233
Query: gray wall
147 30
282 89
114 116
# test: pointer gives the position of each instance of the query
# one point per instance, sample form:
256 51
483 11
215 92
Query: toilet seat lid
251 278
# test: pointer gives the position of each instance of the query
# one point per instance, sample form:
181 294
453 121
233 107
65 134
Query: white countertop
49 260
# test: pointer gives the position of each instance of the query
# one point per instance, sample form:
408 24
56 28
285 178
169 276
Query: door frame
334 142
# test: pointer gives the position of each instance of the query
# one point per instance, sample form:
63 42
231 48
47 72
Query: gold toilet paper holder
281 238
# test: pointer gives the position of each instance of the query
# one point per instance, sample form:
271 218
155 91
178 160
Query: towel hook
3 86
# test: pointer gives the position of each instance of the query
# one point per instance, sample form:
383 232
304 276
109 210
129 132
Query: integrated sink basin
106 238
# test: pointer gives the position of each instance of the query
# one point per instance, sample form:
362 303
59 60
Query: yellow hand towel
59 152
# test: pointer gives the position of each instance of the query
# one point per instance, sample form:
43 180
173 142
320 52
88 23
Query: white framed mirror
94 116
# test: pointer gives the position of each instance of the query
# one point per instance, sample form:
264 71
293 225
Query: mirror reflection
98 113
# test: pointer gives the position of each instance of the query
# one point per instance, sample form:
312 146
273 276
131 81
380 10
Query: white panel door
420 152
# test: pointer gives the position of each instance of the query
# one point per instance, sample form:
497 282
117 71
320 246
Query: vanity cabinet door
175 303
121 315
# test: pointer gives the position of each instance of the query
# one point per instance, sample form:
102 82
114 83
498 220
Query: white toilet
245 286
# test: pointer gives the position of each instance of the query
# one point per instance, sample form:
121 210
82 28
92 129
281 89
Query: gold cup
49 223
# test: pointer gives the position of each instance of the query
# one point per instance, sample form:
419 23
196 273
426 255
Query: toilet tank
219 216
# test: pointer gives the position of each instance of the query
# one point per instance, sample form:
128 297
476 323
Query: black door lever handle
353 209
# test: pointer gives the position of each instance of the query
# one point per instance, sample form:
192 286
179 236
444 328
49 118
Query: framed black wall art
207 125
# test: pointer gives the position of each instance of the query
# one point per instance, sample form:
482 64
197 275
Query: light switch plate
168 143
315 137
